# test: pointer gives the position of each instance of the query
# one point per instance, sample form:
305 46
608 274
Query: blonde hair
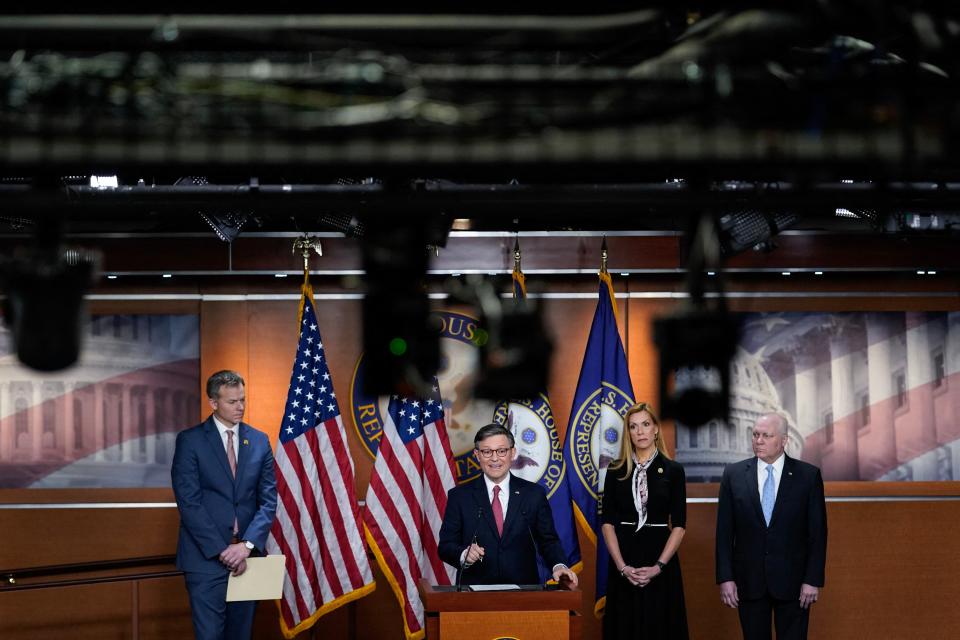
625 459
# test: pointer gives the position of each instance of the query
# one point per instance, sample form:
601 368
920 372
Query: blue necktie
769 495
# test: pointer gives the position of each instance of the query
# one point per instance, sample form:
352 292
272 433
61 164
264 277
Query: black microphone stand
473 541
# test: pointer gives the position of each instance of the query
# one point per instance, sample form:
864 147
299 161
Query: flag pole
519 280
304 244
603 255
329 480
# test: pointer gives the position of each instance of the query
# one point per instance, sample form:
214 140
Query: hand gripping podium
531 613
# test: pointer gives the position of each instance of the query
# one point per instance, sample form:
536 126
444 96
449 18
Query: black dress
657 610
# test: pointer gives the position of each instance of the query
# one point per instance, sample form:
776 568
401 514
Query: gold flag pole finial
303 245
516 254
603 256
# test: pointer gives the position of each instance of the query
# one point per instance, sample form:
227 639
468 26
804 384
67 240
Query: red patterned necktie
232 460
231 454
497 510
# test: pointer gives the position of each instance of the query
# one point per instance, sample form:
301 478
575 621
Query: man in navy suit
494 527
771 536
227 496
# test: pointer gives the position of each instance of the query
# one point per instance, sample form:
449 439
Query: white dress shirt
504 501
504 498
222 428
504 492
777 473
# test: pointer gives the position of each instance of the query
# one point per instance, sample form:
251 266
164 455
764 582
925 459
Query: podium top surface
527 598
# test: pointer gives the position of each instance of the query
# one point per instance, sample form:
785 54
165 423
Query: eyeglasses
488 453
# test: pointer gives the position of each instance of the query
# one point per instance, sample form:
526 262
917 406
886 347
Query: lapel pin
789 473
517 492
246 442
659 469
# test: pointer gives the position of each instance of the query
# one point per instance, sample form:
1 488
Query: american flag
407 498
318 519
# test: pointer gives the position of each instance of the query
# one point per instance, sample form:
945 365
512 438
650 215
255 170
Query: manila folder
263 580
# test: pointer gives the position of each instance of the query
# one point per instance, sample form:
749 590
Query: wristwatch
249 545
661 565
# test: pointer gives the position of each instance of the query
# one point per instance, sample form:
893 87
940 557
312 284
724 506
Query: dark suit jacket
209 498
511 559
792 551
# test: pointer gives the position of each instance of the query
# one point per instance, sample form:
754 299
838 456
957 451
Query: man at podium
494 528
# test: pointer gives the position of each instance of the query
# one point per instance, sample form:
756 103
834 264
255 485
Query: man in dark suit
226 492
771 536
494 526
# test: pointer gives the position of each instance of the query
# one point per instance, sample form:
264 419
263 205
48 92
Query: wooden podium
487 615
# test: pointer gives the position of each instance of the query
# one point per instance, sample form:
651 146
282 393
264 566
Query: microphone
537 556
540 559
473 541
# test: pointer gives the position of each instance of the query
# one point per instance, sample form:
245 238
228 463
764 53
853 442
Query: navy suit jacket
508 559
209 498
791 551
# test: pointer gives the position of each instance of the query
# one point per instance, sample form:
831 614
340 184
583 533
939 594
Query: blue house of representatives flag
604 393
540 457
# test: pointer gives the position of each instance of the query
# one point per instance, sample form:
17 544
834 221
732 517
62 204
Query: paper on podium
494 587
263 580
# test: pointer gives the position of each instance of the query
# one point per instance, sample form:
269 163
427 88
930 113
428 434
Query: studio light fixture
227 226
698 341
44 285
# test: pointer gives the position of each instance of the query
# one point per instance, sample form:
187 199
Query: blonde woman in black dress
644 515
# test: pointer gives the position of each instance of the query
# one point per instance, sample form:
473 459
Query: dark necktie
497 510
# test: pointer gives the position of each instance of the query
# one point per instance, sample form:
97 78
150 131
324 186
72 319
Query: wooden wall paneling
56 496
863 251
192 253
706 616
568 322
148 252
274 253
468 252
844 303
889 579
802 251
224 344
643 356
894 570
83 613
558 251
892 567
272 343
165 609
40 537
857 489
186 306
